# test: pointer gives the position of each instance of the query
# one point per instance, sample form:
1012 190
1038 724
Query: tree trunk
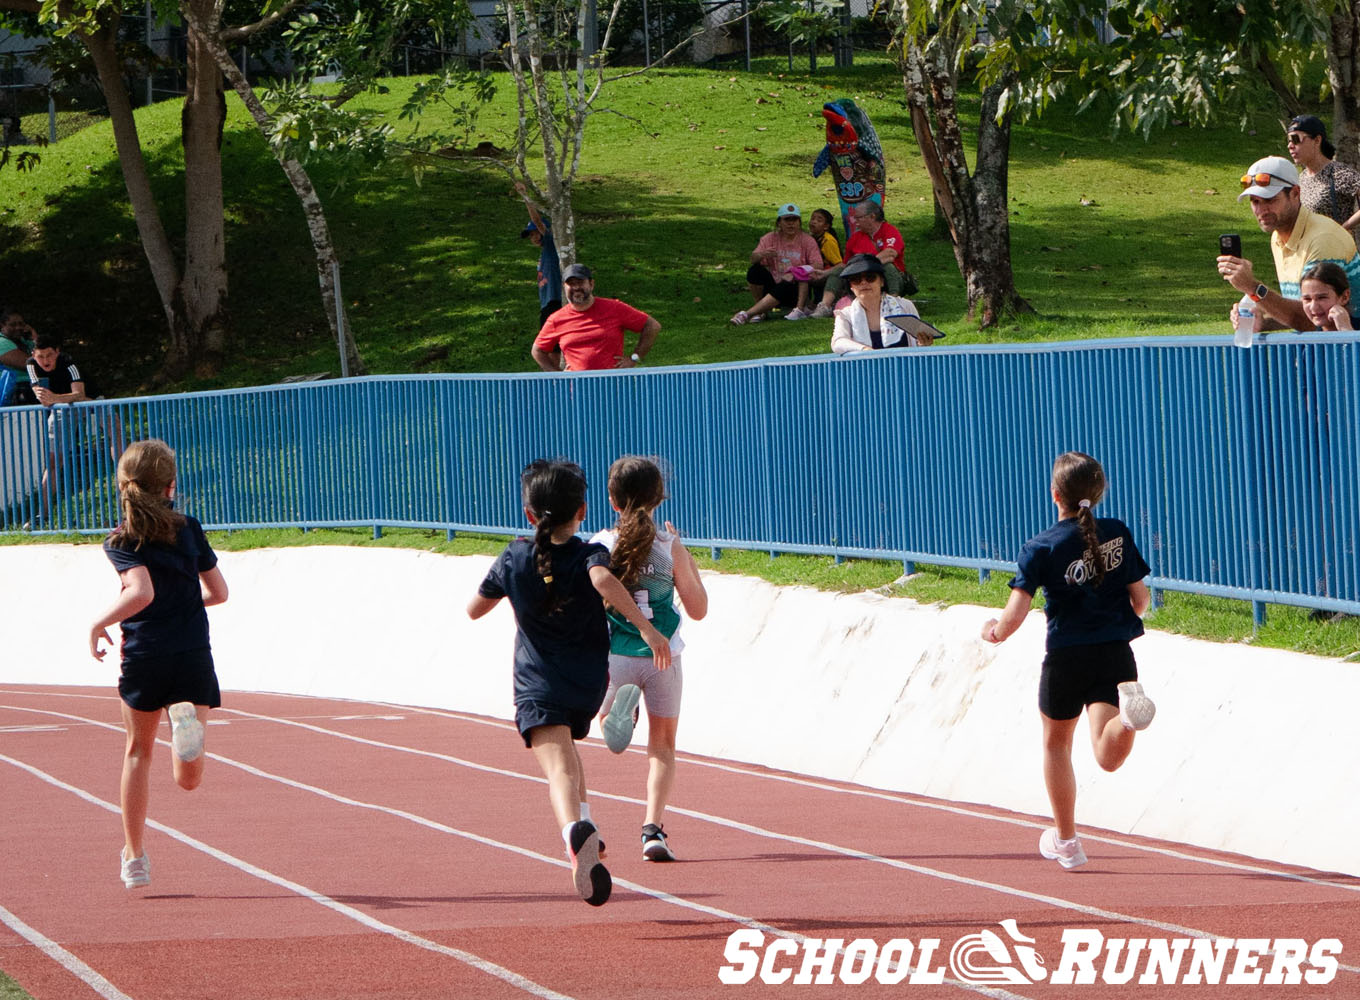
1343 71
322 246
975 208
159 255
205 260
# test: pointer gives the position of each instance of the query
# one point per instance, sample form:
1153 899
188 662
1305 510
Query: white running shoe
186 732
822 311
1067 853
796 313
739 317
1135 708
136 872
623 715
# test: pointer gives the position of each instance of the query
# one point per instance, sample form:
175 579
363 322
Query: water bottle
1246 322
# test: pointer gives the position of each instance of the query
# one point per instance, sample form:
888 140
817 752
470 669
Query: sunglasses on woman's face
1294 139
859 279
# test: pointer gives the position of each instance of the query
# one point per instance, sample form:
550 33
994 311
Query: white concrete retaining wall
1253 750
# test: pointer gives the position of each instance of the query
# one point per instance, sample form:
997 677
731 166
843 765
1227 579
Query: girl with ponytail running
654 567
1092 575
168 575
557 585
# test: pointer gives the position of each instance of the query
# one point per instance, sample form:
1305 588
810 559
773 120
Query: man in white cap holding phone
1298 237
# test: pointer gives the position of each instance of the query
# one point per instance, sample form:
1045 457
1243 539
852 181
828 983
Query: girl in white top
862 326
654 567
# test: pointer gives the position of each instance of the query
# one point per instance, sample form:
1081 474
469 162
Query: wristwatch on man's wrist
1259 292
637 358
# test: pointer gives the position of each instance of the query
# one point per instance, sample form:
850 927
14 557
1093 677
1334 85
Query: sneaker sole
618 724
657 850
1136 709
591 878
186 732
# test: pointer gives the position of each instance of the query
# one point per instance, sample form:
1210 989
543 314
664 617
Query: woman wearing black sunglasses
1326 186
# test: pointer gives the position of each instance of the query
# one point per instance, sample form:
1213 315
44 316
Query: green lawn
674 191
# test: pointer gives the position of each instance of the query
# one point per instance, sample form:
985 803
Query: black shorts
532 714
1075 676
785 292
152 683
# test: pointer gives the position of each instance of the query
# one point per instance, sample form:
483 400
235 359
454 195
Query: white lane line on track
897 798
907 799
995 993
62 957
847 852
321 899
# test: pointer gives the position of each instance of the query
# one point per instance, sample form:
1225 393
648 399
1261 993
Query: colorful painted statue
853 151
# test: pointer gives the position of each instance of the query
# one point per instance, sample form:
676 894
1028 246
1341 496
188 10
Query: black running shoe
654 844
590 877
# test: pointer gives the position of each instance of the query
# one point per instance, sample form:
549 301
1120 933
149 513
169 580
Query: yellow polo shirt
1315 238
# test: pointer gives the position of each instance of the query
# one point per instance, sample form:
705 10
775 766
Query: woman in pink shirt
781 266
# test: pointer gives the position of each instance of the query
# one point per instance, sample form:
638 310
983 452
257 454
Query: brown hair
1078 477
636 488
145 471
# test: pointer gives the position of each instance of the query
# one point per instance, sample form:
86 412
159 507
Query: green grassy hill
674 191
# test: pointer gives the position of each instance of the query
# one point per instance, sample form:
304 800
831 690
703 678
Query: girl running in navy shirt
557 585
1092 575
653 566
169 575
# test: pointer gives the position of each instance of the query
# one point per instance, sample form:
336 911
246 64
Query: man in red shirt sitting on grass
878 239
588 332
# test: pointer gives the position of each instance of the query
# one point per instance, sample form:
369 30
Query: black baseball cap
1312 125
578 271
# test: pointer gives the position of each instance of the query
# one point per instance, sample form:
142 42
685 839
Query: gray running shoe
623 715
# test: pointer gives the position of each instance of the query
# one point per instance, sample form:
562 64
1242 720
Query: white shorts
660 688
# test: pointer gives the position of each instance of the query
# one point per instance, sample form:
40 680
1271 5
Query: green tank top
654 594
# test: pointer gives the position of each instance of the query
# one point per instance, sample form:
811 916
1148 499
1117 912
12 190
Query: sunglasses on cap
1263 180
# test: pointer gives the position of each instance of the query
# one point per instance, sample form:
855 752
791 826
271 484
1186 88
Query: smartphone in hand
1230 245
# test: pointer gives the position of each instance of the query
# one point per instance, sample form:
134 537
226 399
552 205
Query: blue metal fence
1237 469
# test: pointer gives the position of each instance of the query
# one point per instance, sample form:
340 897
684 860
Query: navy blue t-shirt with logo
560 658
1078 613
175 621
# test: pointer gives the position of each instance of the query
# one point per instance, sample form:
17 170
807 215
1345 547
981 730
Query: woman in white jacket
862 325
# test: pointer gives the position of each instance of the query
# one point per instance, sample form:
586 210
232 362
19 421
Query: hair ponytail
145 474
636 488
1079 482
552 491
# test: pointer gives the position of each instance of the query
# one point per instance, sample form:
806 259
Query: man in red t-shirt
588 332
878 239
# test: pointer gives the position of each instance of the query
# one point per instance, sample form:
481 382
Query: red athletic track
431 867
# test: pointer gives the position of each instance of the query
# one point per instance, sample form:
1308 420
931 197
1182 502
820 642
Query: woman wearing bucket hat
780 269
1326 186
867 323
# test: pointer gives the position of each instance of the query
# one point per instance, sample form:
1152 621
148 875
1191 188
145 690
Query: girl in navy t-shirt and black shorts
169 576
1092 575
557 584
